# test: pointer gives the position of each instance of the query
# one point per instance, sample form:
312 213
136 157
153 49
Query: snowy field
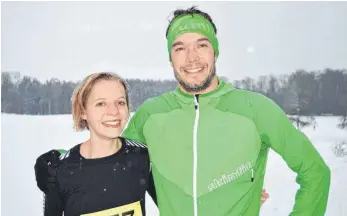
26 137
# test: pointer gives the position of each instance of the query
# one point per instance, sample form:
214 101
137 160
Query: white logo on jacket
226 178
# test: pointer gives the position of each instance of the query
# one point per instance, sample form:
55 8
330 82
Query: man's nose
192 55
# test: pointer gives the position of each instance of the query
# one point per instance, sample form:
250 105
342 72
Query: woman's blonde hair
82 92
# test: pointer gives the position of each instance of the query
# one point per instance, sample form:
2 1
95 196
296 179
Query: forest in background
301 93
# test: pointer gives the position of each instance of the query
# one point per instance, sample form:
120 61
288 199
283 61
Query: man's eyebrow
177 44
181 43
203 39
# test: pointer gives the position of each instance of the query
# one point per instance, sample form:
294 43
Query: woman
106 174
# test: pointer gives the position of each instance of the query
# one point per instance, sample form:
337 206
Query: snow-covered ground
26 137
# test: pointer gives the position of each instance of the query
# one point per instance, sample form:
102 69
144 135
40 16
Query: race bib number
132 209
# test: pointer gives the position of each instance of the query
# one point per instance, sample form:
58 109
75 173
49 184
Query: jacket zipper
195 154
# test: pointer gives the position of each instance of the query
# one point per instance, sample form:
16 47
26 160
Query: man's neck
212 87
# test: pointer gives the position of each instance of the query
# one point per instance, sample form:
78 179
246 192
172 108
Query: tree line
301 93
27 95
305 94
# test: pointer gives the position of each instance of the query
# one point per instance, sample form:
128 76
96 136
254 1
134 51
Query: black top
114 185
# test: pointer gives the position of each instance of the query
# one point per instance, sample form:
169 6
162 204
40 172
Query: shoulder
251 97
244 93
70 155
260 105
240 98
136 151
133 146
162 103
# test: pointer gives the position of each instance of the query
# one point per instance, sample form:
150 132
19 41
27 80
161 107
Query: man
47 164
209 143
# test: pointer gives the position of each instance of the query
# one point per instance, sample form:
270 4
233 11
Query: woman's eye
101 104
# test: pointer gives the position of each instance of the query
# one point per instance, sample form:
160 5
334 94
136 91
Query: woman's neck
97 147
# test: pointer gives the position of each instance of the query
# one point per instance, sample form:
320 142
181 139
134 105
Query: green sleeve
313 175
134 130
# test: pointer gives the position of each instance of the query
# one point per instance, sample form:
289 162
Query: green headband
192 23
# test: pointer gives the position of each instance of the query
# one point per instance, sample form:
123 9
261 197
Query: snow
24 138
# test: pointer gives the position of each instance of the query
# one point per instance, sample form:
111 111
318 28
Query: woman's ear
84 116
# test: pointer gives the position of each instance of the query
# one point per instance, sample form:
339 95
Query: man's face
193 61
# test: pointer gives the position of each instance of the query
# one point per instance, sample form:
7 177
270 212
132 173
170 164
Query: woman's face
106 109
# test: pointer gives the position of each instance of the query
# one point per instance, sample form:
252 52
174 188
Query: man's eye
202 45
179 49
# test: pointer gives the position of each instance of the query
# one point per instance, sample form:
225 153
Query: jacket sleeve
134 130
151 189
46 167
313 174
53 205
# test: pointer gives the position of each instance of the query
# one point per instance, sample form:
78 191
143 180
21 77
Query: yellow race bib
132 209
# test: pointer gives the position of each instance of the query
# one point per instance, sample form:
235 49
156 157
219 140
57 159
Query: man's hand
264 197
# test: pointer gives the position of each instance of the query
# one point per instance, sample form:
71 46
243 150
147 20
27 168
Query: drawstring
252 178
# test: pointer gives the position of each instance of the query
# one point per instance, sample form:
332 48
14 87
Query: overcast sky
69 40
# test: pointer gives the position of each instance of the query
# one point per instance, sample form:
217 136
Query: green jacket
209 153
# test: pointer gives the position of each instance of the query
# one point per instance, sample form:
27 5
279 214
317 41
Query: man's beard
191 88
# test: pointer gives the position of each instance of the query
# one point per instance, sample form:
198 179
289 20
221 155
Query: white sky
69 40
